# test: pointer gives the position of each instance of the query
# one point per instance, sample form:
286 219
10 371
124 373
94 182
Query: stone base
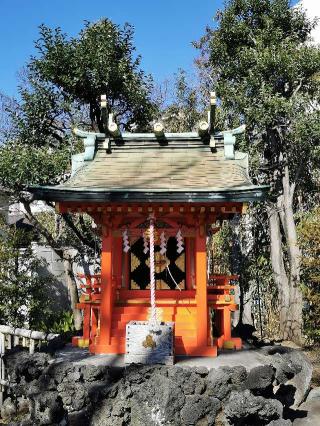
80 342
146 344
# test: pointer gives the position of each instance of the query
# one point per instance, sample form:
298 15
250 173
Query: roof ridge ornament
108 126
89 142
212 119
113 128
203 129
158 129
229 141
212 112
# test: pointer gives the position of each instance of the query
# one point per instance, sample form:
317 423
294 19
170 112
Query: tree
266 74
182 110
22 289
62 86
309 238
98 61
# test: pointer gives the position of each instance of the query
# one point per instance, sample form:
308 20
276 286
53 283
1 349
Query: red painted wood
201 290
107 293
86 322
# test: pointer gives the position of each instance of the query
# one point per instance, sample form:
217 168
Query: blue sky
164 30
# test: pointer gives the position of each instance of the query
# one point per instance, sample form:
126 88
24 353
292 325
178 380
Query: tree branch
42 229
80 236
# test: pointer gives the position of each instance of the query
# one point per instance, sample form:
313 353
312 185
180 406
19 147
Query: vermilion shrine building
188 181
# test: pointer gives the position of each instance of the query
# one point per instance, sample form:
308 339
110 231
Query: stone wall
45 392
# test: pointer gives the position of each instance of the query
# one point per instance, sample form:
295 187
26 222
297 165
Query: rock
22 364
314 394
309 414
286 394
22 405
47 409
293 370
243 408
290 344
159 397
92 373
78 418
55 344
222 381
74 396
260 380
8 409
198 408
202 371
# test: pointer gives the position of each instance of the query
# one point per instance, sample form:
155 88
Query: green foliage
309 237
58 322
61 87
23 291
266 73
184 110
21 167
72 231
98 61
242 247
267 77
221 246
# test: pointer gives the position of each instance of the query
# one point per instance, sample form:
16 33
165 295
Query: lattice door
140 267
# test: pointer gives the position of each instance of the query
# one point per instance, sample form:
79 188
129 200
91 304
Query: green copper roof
151 169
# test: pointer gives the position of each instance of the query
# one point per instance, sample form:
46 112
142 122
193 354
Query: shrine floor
249 357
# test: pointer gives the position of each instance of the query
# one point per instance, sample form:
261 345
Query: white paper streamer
179 239
125 239
145 244
163 244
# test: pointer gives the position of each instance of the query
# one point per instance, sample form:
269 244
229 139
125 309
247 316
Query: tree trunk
294 321
278 267
286 278
72 290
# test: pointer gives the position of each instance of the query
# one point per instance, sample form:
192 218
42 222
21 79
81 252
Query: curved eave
253 193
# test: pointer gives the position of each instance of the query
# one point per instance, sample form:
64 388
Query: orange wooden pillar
201 295
228 341
106 295
94 325
86 324
226 323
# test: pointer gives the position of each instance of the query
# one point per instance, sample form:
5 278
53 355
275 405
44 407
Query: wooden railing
91 286
222 280
222 288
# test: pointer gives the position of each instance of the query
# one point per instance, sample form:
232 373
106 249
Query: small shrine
155 197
